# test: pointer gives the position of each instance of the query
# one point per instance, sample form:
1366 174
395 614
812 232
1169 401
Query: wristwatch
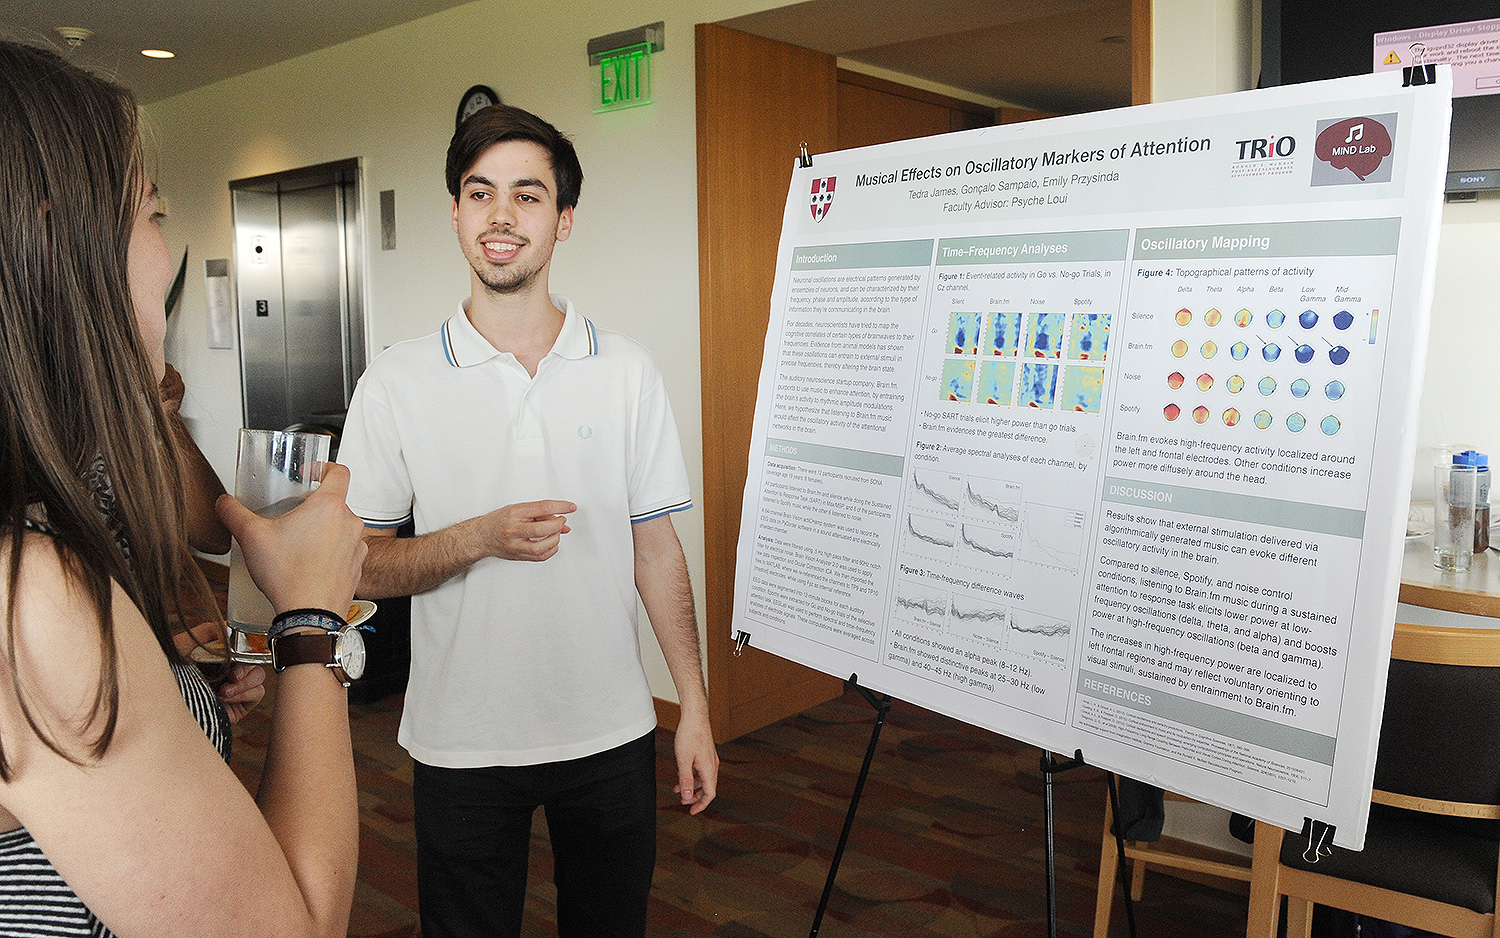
341 650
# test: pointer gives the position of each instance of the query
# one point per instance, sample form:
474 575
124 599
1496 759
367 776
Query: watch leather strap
304 648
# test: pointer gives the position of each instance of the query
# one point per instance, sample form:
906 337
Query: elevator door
301 335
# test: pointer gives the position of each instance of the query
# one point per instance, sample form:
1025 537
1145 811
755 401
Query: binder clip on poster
1317 834
1418 72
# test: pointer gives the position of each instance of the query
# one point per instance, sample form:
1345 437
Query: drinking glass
275 471
1455 491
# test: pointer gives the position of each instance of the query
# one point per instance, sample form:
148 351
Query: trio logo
1266 148
1354 150
1264 157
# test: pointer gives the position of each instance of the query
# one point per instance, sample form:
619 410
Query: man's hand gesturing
527 530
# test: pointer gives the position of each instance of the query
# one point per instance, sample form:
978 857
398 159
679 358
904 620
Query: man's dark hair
500 123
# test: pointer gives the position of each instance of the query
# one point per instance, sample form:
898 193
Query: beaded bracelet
305 618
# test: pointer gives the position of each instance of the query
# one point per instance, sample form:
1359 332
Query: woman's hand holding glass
308 558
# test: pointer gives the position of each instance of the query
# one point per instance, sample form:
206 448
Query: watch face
476 102
475 99
351 653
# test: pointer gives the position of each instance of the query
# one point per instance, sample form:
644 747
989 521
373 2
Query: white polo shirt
518 662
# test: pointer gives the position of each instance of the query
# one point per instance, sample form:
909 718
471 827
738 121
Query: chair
1173 854
1432 851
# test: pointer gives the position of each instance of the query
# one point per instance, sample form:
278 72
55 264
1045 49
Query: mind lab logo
822 197
1354 150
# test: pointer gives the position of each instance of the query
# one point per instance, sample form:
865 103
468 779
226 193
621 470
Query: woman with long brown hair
117 814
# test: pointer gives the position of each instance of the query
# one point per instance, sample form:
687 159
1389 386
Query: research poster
1097 431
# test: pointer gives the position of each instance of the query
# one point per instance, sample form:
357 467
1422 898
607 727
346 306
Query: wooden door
758 101
873 110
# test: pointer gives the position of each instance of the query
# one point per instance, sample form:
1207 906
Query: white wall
1205 47
1459 394
389 99
1201 47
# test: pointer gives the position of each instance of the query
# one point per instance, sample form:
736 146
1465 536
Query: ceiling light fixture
74 36
158 54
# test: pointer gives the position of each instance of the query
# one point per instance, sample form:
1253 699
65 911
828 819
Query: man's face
506 216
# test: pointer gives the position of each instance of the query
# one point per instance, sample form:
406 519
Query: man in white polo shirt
538 457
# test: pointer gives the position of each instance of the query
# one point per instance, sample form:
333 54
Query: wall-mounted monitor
1310 40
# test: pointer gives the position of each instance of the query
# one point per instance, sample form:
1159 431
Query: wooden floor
948 842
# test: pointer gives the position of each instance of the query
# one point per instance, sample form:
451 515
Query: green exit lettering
625 78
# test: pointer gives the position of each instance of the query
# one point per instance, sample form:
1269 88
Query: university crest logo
822 197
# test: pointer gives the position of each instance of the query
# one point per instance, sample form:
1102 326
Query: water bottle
1481 464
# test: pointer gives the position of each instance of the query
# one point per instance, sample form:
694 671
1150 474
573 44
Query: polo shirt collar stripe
463 346
462 343
576 340
448 345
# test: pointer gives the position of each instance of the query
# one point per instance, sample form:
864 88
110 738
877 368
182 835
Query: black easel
1119 826
1050 767
882 707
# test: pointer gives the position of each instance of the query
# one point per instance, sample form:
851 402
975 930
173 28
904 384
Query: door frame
345 175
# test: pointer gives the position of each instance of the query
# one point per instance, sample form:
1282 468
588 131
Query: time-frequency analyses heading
1047 160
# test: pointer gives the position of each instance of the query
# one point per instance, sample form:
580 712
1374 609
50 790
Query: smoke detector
74 36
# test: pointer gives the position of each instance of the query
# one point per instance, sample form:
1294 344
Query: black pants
474 831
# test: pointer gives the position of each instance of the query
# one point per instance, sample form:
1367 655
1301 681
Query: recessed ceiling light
74 36
158 54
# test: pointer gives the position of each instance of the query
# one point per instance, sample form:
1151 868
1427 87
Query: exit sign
625 78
